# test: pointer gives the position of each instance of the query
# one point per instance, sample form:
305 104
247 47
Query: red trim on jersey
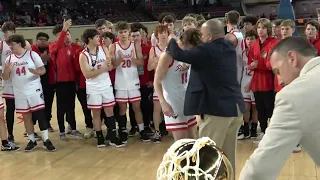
1 106
22 55
160 48
31 56
7 96
109 104
126 47
104 52
1 46
187 125
234 36
85 55
171 64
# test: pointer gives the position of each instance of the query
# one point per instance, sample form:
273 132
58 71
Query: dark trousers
41 118
66 94
48 92
265 105
82 97
146 107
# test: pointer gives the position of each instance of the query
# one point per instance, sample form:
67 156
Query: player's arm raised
115 62
153 60
138 60
85 68
161 71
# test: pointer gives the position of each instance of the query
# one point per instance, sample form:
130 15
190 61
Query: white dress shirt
295 120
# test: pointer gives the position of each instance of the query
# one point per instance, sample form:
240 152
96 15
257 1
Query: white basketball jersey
127 76
5 53
247 74
157 51
23 81
102 82
176 79
239 50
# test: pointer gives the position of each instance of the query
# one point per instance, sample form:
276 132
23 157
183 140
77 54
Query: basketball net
170 167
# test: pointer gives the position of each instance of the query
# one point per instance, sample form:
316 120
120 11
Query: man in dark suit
213 91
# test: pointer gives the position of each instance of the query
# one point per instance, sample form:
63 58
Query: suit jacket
295 120
213 87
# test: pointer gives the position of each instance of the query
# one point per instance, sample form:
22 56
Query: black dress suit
213 87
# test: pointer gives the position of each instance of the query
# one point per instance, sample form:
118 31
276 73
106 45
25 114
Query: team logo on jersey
182 67
68 52
42 96
264 55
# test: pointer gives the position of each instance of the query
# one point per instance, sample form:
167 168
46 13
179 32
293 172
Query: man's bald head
215 27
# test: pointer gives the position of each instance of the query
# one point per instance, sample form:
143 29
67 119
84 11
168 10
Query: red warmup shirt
147 75
63 58
50 70
316 44
262 77
81 80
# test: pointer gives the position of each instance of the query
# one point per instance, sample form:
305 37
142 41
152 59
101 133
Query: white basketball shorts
30 103
179 121
97 101
248 97
7 92
155 96
125 96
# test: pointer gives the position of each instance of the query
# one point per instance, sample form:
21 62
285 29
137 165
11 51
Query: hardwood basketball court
80 159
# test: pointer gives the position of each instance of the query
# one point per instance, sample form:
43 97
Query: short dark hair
122 25
191 36
164 14
136 25
89 34
8 26
297 44
135 29
277 22
251 33
109 35
233 17
100 22
17 38
145 29
168 19
250 19
42 34
313 23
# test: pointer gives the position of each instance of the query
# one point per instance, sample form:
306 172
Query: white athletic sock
141 127
31 137
45 135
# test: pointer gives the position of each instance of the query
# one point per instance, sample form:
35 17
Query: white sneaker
258 139
297 149
89 133
240 137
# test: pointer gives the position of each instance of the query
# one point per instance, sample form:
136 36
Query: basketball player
162 33
248 96
234 35
6 145
189 22
154 41
249 23
25 67
95 66
170 83
8 29
125 57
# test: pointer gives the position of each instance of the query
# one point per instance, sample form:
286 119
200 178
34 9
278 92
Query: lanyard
93 62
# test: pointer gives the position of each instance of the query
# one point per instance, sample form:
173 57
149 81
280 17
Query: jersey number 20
126 63
21 71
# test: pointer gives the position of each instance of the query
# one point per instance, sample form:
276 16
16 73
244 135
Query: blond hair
266 23
288 22
189 19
